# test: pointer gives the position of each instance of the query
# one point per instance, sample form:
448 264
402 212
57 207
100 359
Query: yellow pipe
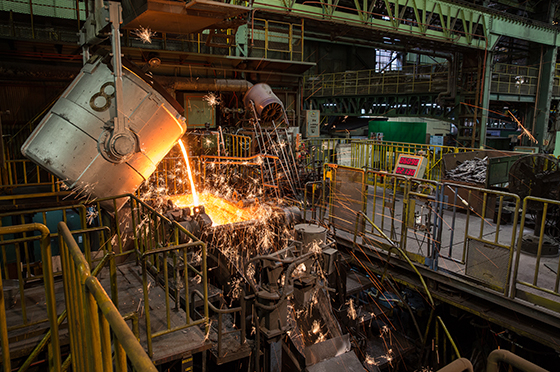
404 255
449 337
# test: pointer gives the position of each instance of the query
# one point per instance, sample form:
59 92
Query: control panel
313 120
410 165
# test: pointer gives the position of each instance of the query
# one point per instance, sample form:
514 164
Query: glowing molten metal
220 211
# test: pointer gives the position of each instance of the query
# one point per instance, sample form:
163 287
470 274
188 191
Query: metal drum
267 104
309 235
69 140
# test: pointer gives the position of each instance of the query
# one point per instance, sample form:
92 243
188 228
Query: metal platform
178 17
172 346
166 348
23 339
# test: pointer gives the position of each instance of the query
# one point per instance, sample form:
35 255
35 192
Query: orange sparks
221 211
525 131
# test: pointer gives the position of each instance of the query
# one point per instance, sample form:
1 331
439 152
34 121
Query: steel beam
423 105
529 31
433 20
544 93
487 76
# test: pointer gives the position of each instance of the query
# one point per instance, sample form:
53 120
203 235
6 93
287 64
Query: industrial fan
538 176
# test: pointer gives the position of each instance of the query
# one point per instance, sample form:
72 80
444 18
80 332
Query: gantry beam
427 20
410 105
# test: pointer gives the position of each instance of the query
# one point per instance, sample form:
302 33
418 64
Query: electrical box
199 111
410 165
329 260
312 121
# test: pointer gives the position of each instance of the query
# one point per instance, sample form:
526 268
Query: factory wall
24 101
333 57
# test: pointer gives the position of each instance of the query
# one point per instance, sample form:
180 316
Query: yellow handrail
48 280
86 326
4 330
511 79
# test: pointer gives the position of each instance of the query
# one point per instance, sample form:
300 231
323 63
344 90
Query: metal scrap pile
469 171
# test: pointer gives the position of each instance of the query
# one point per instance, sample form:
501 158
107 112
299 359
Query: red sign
405 171
409 161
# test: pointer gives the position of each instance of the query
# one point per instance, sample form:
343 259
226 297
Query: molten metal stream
194 193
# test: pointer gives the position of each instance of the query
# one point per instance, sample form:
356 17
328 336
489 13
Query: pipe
451 80
510 358
458 365
537 95
203 84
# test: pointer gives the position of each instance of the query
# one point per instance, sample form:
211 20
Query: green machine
398 131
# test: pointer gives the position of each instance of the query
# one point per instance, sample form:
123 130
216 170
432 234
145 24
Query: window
387 60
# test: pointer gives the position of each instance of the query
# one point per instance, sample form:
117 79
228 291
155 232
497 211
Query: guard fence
460 230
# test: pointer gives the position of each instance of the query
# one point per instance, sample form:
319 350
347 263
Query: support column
544 93
3 167
485 103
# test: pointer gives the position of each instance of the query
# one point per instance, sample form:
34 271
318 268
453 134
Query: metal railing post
4 330
99 316
48 279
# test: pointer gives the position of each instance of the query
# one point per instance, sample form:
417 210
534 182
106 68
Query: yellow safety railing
93 318
466 230
139 229
276 39
24 172
321 151
21 263
22 253
61 318
68 9
158 261
48 282
514 79
378 155
506 79
133 227
532 275
262 168
481 204
478 238
383 204
238 145
411 79
403 210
